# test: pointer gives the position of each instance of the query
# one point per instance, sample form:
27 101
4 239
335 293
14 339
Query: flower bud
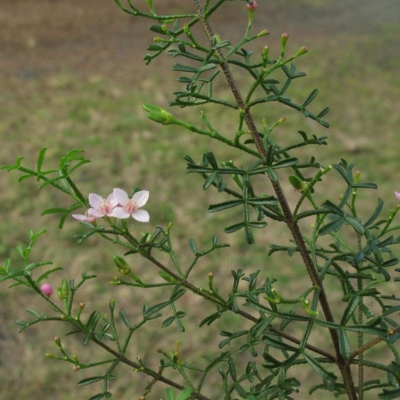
46 289
264 32
63 290
296 182
303 50
158 114
167 277
284 39
252 5
122 265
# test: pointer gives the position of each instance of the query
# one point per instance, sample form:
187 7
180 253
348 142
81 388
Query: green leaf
156 308
179 325
285 163
40 160
333 208
256 224
270 200
270 154
125 319
32 266
225 205
344 345
168 321
272 175
93 320
349 311
310 213
55 210
366 185
376 213
335 225
235 227
277 344
248 233
34 313
319 369
355 223
258 330
375 331
310 98
193 246
210 319
177 293
389 394
89 381
210 179
323 112
184 68
47 274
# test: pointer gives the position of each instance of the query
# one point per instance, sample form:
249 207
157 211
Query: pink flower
130 206
101 207
252 6
397 194
46 289
84 217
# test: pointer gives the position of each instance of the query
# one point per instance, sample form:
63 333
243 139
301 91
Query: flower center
105 207
131 206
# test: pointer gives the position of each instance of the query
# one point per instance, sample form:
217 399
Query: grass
103 116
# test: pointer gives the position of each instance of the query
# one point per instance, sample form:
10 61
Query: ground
69 74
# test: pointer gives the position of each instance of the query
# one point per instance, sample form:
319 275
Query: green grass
105 118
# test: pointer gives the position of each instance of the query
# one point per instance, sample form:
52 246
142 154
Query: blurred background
72 77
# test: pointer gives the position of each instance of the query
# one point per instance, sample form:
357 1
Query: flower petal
397 194
112 200
79 217
120 196
119 212
141 216
95 200
140 198
94 213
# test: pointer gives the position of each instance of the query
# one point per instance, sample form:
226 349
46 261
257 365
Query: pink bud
253 6
46 289
397 194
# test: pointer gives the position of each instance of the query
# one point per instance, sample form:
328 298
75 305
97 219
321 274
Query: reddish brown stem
342 363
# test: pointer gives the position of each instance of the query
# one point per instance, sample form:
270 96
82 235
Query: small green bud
357 176
122 265
284 39
303 50
158 114
326 170
63 290
265 53
167 277
296 182
264 32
